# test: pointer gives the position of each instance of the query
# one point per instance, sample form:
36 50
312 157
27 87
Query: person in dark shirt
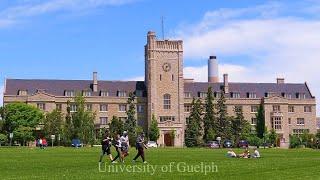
117 145
106 147
140 145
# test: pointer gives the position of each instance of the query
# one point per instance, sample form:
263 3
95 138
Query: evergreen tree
239 126
53 123
115 126
131 122
223 124
209 119
260 126
68 127
193 133
154 132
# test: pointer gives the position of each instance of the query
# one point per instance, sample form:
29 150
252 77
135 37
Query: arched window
166 101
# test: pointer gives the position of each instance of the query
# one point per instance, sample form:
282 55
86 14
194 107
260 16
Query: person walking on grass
117 145
140 146
106 147
124 145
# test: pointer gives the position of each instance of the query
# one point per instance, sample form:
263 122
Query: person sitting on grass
231 153
245 154
256 153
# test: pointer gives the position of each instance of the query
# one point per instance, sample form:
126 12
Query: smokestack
213 74
225 83
280 80
95 81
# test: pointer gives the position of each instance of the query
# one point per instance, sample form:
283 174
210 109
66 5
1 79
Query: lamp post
52 139
11 137
219 140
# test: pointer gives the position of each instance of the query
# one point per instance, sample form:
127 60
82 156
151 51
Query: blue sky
69 39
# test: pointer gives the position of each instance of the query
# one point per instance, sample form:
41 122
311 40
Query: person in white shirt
256 153
231 153
124 144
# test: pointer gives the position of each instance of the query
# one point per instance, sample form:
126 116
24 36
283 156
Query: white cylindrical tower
213 73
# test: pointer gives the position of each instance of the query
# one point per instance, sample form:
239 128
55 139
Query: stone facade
289 108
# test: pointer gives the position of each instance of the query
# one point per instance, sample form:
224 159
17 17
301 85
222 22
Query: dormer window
235 95
41 90
69 93
187 94
104 93
202 94
87 93
251 95
217 94
266 94
122 94
298 95
288 96
22 92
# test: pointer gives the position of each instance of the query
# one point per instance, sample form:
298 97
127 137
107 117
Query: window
253 121
172 77
89 107
140 108
277 123
202 94
187 108
298 132
22 92
217 94
122 108
291 109
73 108
103 107
283 94
69 93
300 121
122 94
104 93
160 77
237 108
187 94
167 118
266 94
289 121
307 109
103 120
41 106
87 93
235 95
59 107
139 93
288 96
254 109
166 101
251 95
276 108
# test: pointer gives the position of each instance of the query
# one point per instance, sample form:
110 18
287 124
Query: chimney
95 81
225 83
280 80
213 76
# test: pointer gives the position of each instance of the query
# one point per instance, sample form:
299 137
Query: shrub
294 141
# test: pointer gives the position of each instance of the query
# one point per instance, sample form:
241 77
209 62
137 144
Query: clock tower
165 85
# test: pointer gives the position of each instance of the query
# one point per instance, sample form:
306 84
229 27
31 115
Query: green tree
239 126
115 126
223 124
273 137
260 126
68 127
130 124
83 121
209 119
23 134
193 133
53 123
3 138
154 132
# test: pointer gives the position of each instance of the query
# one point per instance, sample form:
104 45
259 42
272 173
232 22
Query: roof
58 87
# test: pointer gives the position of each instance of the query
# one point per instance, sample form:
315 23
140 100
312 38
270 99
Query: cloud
1 95
138 78
36 8
276 44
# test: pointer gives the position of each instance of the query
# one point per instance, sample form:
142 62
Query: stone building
289 108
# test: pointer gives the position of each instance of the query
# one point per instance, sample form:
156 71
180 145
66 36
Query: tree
260 126
131 121
23 134
115 126
53 123
68 127
239 126
3 138
154 132
223 124
193 133
83 121
273 137
209 119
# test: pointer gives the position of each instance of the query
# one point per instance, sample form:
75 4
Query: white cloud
138 78
275 44
35 8
1 95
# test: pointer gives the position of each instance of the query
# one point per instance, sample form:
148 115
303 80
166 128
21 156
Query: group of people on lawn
245 154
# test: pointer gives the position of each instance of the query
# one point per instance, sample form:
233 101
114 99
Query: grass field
69 163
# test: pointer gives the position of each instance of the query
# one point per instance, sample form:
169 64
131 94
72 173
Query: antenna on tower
162 26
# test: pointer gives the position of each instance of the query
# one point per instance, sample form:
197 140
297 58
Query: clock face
166 67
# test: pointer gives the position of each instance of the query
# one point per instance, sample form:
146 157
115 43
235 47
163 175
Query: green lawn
69 163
